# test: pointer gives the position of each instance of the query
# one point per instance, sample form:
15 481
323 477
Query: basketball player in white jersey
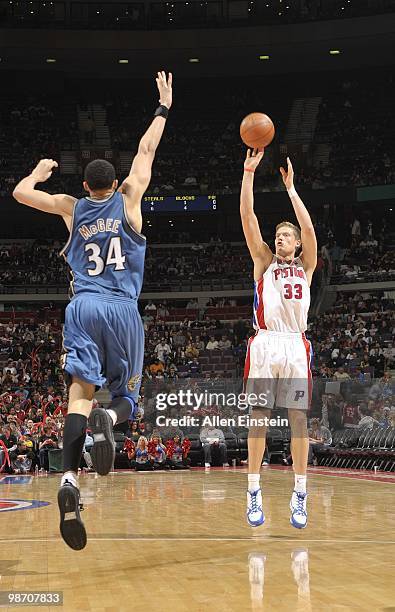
278 356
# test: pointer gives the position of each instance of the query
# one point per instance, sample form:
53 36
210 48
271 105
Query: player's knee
298 422
260 417
81 388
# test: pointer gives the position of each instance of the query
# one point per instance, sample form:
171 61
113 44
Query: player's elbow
143 148
146 148
17 194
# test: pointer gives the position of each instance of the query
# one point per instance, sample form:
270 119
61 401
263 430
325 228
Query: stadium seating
361 448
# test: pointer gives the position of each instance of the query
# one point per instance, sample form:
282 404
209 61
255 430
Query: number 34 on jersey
113 256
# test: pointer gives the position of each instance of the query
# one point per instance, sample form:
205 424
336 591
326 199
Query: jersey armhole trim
273 259
125 214
66 246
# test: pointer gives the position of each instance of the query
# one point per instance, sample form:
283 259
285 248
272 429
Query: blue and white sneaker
255 516
298 510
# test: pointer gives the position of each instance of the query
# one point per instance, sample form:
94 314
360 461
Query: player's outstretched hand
288 176
44 169
253 159
164 84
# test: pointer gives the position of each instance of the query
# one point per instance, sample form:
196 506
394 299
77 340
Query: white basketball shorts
277 370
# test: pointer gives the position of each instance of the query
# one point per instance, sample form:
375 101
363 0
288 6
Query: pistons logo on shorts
133 382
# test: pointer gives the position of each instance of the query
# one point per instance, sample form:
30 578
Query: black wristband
162 111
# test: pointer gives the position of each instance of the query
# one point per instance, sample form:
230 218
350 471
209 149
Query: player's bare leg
256 449
299 450
80 406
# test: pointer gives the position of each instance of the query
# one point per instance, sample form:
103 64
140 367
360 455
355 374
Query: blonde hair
295 228
140 440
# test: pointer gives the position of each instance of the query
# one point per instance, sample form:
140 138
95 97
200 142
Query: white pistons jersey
282 298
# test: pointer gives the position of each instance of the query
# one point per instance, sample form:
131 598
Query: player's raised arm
26 193
309 241
260 251
139 177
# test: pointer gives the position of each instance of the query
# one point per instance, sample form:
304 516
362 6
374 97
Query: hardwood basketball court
176 541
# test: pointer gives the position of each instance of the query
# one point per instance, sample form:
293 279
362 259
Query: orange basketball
257 130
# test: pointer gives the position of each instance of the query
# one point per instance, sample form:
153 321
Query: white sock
253 482
71 477
113 416
300 483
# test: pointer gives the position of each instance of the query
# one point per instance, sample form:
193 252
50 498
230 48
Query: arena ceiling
366 41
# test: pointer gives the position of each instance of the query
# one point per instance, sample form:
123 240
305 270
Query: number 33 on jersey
282 298
104 252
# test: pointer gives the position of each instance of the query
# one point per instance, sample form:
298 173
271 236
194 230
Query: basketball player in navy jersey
103 332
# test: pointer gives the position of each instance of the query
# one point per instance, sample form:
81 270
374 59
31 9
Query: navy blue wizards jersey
105 254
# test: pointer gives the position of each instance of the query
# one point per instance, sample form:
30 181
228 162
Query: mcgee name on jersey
101 225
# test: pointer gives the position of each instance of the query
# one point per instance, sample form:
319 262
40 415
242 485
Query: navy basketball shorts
103 342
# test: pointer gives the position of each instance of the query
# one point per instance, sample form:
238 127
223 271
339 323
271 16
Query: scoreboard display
179 203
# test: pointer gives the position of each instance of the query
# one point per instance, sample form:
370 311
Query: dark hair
99 174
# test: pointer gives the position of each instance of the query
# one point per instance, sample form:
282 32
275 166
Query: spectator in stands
9 440
38 416
224 344
150 307
199 343
173 373
179 338
366 419
156 368
162 350
382 389
28 427
177 461
47 441
377 361
194 367
10 368
142 462
135 432
21 458
86 451
158 455
335 412
191 351
192 304
319 438
162 311
212 344
355 232
213 439
385 420
341 375
389 354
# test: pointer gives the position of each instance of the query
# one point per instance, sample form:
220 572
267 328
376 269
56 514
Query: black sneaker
103 450
71 526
